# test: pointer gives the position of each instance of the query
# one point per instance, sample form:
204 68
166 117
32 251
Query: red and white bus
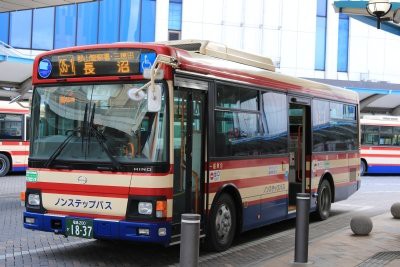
380 144
14 136
215 131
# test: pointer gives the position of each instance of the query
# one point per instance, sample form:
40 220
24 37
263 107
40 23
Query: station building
306 39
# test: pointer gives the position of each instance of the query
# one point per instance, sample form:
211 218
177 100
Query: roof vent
223 52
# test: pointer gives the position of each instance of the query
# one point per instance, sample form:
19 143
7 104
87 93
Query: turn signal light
161 208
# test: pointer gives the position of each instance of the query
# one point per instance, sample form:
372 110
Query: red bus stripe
380 155
379 148
17 111
19 153
139 191
11 143
248 182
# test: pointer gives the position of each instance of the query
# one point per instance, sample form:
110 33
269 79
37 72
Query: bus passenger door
299 149
189 133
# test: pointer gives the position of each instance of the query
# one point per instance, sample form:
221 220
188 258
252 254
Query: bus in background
380 144
14 137
127 137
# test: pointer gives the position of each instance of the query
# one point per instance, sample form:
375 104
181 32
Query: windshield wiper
83 130
101 138
61 147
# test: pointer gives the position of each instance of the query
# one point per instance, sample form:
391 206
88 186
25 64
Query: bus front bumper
158 232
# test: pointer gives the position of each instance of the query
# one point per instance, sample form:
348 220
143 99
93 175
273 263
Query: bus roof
218 61
7 107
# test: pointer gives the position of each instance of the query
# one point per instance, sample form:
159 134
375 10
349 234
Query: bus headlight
34 199
145 208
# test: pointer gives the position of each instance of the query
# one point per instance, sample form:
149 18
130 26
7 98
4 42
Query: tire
222 224
363 168
4 165
324 200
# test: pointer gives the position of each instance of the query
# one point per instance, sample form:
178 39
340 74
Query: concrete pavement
342 248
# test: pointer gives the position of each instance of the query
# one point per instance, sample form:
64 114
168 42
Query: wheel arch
328 176
233 191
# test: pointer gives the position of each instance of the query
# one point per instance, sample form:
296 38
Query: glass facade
320 37
20 29
175 15
104 21
42 31
343 43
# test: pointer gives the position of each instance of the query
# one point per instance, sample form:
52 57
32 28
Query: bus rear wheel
4 165
324 200
363 168
222 224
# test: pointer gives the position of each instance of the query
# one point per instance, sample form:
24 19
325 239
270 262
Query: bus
14 137
126 137
380 144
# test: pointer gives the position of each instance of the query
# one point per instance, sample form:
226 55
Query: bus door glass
189 132
299 149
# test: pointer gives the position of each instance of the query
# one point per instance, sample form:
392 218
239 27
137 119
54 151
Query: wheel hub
223 222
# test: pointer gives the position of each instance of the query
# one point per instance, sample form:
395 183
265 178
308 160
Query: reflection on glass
130 132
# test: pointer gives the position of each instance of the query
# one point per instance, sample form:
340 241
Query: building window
88 20
175 15
20 29
109 21
43 28
4 19
343 43
320 38
130 21
65 29
148 21
174 35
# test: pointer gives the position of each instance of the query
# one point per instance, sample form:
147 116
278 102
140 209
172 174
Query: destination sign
91 63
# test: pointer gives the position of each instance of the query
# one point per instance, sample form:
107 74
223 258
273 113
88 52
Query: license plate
81 228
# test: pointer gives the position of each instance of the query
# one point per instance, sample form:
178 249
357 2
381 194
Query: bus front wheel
222 224
324 200
4 165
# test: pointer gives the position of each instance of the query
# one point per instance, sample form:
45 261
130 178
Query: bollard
302 226
190 231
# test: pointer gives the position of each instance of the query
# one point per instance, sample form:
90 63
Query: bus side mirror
154 98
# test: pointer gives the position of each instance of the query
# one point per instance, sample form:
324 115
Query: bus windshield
97 123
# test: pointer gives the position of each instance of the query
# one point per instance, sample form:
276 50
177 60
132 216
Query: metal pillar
302 227
190 232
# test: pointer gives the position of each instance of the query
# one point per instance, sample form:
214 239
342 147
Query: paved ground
21 247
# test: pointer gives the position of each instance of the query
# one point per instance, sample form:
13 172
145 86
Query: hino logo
82 180
142 169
